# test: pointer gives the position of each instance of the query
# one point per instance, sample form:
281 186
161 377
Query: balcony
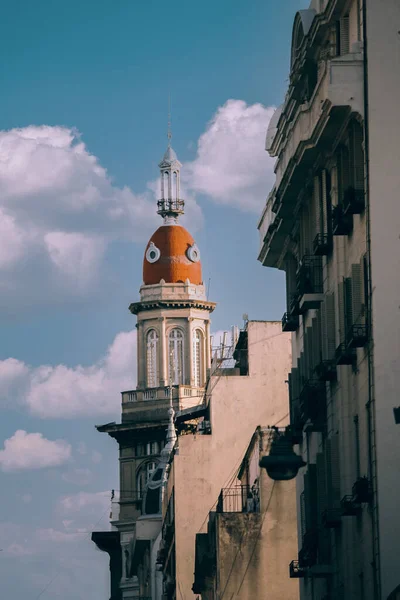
342 224
332 518
362 492
349 507
339 91
357 336
312 402
353 201
295 571
238 498
345 355
290 322
322 244
294 307
326 370
310 286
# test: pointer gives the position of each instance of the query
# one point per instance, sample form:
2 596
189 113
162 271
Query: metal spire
169 134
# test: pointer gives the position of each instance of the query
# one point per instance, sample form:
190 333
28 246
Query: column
189 377
141 357
207 364
162 365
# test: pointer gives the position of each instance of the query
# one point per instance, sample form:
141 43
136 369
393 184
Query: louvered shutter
330 331
332 460
303 512
348 304
344 29
312 505
322 496
310 352
342 330
356 293
324 202
317 205
357 157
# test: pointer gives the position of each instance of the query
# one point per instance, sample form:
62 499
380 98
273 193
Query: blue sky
83 115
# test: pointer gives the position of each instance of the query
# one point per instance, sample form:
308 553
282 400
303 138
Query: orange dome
172 255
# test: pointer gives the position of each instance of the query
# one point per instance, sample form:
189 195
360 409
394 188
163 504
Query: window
176 362
197 357
143 476
151 448
152 358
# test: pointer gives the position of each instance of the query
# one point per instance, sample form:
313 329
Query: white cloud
63 392
59 210
96 457
53 535
232 166
32 451
27 498
84 502
78 476
81 448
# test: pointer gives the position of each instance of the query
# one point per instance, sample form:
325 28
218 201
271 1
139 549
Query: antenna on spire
169 134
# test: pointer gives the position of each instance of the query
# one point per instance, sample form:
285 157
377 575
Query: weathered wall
206 463
383 51
255 549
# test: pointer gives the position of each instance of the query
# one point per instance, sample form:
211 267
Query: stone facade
331 223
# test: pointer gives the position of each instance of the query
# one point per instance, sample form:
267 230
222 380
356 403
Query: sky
83 123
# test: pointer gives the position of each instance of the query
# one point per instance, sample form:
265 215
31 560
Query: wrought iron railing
310 276
238 498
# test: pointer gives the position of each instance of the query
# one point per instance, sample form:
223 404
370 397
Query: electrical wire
257 538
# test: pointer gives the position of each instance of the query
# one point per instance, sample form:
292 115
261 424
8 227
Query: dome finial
169 133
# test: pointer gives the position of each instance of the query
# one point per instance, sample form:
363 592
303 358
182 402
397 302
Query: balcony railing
290 322
357 336
342 224
161 393
294 308
362 490
322 244
326 370
310 283
353 201
295 570
332 518
313 401
350 508
345 355
238 498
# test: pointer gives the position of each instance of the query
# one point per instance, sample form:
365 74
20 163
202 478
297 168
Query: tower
173 359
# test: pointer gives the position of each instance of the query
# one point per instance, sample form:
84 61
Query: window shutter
303 511
342 331
316 330
310 352
317 205
344 29
330 331
323 537
356 293
324 202
332 459
348 304
357 157
311 498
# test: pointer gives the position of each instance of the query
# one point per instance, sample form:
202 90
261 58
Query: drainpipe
370 406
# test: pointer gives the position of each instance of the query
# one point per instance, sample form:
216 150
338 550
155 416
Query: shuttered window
332 461
342 330
344 35
357 294
356 156
348 304
328 327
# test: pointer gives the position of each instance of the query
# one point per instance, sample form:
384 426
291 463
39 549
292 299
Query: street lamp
282 463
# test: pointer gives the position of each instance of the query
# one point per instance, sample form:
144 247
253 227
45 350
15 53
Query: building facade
250 535
332 223
207 458
173 360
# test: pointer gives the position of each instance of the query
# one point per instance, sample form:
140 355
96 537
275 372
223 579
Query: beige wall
383 19
261 567
206 463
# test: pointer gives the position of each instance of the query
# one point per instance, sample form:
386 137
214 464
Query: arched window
176 362
197 357
152 359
